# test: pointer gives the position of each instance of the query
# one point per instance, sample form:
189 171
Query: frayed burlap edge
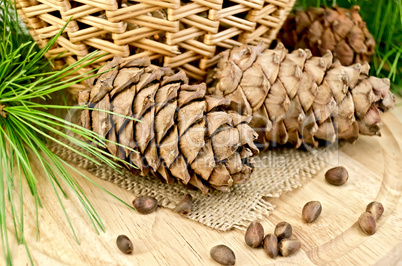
277 171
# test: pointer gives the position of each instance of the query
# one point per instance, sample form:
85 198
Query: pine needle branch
26 126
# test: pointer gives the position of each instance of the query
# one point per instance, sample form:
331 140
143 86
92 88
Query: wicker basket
185 34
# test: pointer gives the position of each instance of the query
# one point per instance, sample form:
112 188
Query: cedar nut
283 230
367 223
337 176
223 255
254 235
288 246
271 245
185 205
376 209
124 244
311 211
145 204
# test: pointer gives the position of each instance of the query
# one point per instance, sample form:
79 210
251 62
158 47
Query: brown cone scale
339 30
183 135
297 98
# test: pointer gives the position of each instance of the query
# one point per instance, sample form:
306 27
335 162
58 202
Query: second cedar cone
340 30
295 97
184 135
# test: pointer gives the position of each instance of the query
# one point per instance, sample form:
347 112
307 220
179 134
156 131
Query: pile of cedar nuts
281 242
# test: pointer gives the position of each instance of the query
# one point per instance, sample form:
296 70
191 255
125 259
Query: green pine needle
26 126
384 21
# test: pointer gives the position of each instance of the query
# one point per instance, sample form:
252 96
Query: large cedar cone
339 30
184 135
295 97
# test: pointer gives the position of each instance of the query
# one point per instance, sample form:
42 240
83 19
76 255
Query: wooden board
165 238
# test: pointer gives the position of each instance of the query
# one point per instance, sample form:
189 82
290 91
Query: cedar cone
340 30
295 97
184 135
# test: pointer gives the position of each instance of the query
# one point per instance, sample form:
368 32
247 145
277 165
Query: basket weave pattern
185 34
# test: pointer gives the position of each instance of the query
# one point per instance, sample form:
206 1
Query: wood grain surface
164 238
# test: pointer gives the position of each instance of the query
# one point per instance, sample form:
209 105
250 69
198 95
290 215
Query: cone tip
355 8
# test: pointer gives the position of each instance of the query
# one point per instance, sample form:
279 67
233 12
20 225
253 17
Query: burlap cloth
277 171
